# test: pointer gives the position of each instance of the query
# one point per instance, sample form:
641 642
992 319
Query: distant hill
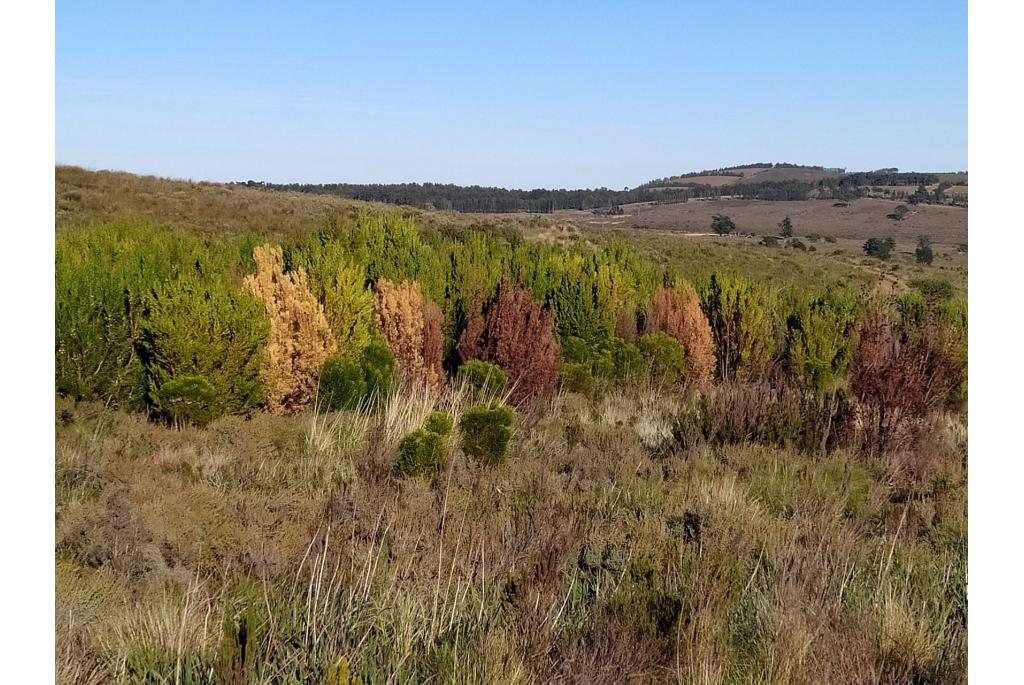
761 172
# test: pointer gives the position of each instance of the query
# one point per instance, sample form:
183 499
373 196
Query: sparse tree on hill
923 253
876 247
786 228
722 225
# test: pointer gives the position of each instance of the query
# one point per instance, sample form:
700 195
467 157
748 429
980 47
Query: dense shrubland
461 456
148 316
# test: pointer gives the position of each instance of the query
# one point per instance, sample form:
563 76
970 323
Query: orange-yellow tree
412 326
676 311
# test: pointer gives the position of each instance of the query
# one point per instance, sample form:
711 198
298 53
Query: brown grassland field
638 532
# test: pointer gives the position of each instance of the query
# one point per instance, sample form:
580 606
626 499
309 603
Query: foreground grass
613 547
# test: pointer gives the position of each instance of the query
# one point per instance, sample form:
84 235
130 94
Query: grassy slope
84 196
608 553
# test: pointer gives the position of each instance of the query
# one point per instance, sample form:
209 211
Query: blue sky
524 95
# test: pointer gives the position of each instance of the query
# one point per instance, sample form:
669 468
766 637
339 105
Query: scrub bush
421 451
483 376
300 337
664 356
486 432
212 331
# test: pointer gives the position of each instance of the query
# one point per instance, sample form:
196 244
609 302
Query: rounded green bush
188 399
347 383
378 367
420 451
486 432
484 376
440 423
342 384
664 355
626 358
577 378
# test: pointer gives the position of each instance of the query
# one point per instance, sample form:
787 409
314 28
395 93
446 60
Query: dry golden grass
603 554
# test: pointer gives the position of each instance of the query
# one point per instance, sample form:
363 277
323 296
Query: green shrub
664 355
934 289
421 451
347 383
342 384
577 378
103 273
338 282
483 376
439 422
188 399
211 330
743 318
603 358
818 338
378 367
876 247
486 432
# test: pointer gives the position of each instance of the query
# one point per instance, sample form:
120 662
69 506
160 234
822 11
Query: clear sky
551 94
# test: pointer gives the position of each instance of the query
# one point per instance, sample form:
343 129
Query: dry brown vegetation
677 312
862 218
411 325
620 551
518 335
300 337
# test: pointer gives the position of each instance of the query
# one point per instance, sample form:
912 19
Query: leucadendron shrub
486 431
357 382
201 348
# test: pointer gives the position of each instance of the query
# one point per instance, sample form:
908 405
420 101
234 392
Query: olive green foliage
664 356
351 383
390 247
582 308
187 399
439 422
338 282
722 224
877 247
426 448
934 289
603 358
210 329
421 451
103 272
578 378
483 376
486 432
744 320
818 337
923 254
